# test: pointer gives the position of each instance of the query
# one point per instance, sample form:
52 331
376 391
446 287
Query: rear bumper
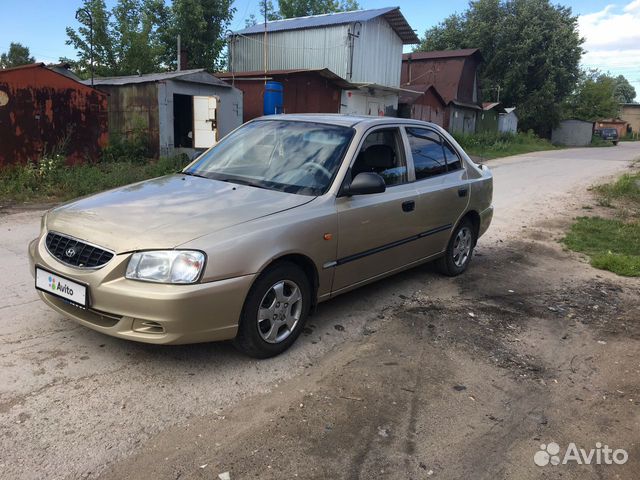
485 220
148 312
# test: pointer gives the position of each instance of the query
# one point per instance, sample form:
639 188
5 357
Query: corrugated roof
67 75
391 15
466 52
197 75
63 69
466 105
421 89
22 67
491 105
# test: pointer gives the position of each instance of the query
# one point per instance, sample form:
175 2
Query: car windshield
610 131
295 157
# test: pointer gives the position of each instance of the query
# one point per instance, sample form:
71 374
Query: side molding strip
372 251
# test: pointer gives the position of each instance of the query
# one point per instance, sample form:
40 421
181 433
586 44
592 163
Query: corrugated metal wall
134 108
572 133
508 122
377 54
325 47
42 110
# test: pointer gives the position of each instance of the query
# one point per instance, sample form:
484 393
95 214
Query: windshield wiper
243 182
193 174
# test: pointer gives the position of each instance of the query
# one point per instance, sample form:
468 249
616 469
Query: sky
611 29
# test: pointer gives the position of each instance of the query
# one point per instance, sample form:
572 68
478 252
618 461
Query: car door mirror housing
365 183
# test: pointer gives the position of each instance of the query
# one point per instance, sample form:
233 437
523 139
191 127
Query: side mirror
365 183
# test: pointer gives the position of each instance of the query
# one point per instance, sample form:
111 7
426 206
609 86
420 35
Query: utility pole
264 5
498 88
179 56
86 12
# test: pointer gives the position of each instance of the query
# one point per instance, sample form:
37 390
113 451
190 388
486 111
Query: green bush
133 148
51 180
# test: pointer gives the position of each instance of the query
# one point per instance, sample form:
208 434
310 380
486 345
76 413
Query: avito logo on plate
57 285
549 454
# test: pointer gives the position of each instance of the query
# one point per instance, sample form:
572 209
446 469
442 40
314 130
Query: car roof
342 119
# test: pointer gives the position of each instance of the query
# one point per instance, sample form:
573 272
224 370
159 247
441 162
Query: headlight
166 266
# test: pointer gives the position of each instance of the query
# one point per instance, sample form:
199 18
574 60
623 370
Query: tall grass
612 243
50 179
498 144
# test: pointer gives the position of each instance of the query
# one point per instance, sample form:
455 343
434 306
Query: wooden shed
488 118
454 74
427 104
43 111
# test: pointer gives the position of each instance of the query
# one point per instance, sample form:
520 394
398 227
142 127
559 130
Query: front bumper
144 311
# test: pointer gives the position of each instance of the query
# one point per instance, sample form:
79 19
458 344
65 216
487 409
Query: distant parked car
610 134
285 212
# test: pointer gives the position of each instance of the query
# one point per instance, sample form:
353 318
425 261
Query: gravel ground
473 394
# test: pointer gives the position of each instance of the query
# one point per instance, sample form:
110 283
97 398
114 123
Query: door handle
462 192
408 206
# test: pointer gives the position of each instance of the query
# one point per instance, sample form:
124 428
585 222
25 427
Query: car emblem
71 252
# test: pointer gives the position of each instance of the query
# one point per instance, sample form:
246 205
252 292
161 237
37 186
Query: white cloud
633 6
612 40
611 28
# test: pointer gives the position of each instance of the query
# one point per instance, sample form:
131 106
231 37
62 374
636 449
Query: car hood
165 212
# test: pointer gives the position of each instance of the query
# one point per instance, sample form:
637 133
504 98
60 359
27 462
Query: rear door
442 185
205 128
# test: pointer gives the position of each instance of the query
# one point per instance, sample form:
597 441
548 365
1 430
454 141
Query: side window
382 153
453 160
428 156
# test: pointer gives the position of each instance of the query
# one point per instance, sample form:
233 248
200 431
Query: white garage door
205 128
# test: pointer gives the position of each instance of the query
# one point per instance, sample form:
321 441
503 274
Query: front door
205 128
375 231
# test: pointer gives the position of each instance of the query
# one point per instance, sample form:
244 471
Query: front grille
75 252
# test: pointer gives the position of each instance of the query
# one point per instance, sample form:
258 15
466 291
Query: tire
269 324
615 143
452 264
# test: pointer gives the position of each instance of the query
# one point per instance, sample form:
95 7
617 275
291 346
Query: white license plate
60 286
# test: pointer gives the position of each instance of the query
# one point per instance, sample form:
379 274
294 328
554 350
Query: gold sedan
285 212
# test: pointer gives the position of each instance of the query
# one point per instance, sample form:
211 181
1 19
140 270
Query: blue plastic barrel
273 98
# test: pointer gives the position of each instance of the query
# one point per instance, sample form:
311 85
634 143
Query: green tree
272 14
137 41
105 61
624 91
17 55
201 25
140 36
531 50
593 99
304 8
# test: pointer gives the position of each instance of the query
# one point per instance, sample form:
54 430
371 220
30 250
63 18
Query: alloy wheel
462 246
279 311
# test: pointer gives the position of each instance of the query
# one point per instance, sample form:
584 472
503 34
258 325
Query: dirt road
417 376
